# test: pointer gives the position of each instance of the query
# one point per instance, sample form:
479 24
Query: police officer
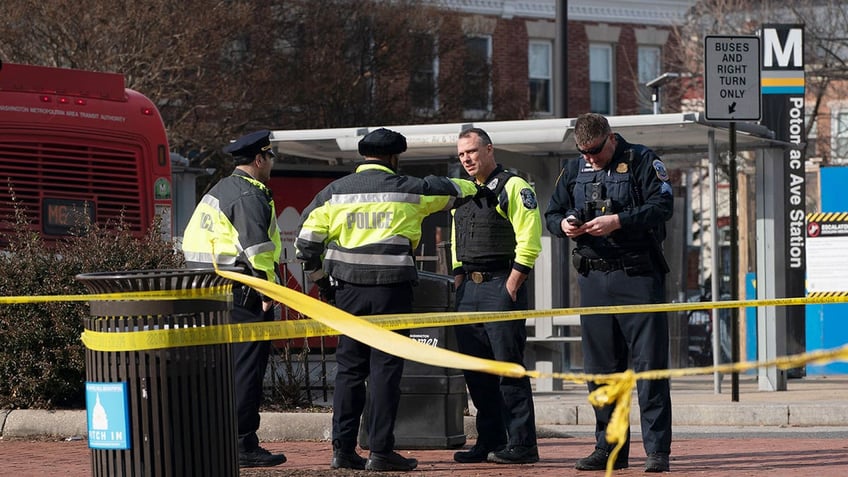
613 202
360 231
496 241
238 214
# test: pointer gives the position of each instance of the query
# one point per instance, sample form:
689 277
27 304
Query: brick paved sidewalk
708 457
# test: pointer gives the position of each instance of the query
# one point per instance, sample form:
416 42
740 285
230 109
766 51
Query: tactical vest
485 239
617 185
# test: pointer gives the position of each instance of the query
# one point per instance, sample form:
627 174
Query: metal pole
714 274
562 48
734 265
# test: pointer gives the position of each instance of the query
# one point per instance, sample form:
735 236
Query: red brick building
513 55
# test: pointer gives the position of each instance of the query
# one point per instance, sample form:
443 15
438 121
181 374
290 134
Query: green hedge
42 360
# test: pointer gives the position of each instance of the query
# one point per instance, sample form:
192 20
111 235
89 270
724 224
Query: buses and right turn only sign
732 78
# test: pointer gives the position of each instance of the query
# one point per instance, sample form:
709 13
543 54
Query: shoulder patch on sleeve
662 173
528 198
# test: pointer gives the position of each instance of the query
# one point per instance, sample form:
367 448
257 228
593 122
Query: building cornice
648 12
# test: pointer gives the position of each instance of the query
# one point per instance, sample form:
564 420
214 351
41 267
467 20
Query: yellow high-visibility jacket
369 224
238 213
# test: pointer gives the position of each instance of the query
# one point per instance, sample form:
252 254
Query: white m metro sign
788 53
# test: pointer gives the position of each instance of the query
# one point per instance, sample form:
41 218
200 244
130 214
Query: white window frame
602 74
547 62
648 70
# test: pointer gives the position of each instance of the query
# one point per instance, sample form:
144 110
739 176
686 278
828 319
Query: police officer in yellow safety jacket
495 242
238 214
360 232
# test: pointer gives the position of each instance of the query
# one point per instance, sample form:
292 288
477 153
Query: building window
650 65
600 78
839 129
477 91
423 89
539 57
812 135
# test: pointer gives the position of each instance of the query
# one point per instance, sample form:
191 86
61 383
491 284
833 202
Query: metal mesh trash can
433 399
180 412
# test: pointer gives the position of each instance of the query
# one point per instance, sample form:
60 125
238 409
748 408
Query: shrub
42 360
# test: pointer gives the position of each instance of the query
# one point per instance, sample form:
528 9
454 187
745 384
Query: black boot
597 460
390 461
345 457
259 457
657 462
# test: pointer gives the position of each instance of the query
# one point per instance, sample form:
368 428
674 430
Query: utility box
433 399
166 412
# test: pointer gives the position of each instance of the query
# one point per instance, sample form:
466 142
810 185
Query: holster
581 263
247 298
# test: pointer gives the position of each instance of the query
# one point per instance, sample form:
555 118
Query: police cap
382 142
249 145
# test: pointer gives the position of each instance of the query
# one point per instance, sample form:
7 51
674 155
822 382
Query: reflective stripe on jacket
364 227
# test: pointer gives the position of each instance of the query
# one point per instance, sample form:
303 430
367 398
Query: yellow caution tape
278 330
373 335
619 386
216 293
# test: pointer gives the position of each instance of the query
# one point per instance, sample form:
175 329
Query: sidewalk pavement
807 402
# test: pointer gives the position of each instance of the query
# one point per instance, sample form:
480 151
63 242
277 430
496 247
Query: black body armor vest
485 240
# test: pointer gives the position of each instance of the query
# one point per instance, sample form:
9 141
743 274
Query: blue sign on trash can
108 419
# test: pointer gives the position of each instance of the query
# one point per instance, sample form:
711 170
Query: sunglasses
595 150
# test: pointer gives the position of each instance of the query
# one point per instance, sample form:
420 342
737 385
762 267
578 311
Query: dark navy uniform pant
249 362
505 413
611 342
356 361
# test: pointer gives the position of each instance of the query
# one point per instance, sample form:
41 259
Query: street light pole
655 85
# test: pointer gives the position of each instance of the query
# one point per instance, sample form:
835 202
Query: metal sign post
732 93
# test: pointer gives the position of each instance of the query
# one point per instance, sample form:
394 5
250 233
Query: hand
514 282
326 291
602 225
572 229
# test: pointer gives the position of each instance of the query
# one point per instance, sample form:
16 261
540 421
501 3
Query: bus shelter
539 148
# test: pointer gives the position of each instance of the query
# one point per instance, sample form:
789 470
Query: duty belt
480 277
602 265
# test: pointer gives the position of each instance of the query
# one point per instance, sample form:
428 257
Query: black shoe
515 455
657 462
259 457
393 461
477 453
347 460
597 460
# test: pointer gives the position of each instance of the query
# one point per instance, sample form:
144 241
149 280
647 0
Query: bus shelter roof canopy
678 137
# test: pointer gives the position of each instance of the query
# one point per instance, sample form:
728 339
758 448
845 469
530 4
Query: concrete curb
318 425
33 422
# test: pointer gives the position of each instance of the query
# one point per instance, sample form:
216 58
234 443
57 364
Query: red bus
79 142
